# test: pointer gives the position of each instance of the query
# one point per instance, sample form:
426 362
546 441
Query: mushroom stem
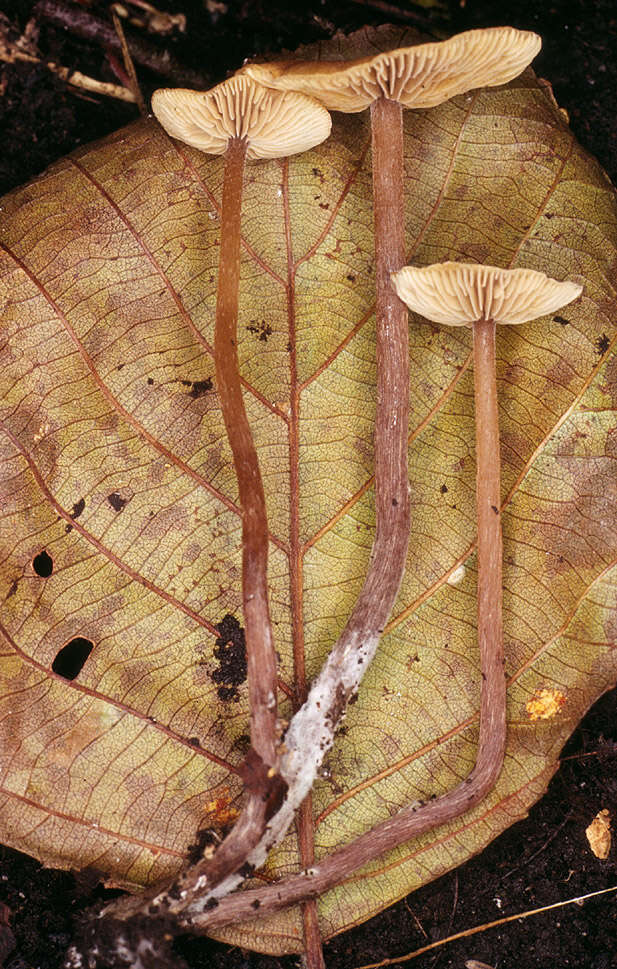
264 787
260 653
311 731
392 416
389 213
392 413
418 819
489 594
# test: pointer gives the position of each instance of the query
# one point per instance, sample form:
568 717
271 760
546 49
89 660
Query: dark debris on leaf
230 651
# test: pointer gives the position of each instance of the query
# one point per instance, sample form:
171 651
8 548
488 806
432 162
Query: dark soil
539 861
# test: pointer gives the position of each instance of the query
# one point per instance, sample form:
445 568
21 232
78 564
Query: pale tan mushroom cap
275 123
417 77
460 293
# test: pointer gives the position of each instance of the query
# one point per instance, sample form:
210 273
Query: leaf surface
116 465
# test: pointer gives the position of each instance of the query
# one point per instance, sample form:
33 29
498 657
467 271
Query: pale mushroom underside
274 123
459 294
418 77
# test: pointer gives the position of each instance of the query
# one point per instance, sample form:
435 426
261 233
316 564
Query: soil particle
230 651
198 387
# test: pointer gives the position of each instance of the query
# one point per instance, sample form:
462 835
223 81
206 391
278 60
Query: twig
129 66
467 933
90 27
76 79
553 835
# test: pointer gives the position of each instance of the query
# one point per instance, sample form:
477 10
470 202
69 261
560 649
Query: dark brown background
541 860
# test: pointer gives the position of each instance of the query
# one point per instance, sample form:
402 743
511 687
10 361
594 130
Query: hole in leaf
70 660
198 387
43 564
116 501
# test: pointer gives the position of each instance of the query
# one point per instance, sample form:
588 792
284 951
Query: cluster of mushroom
279 109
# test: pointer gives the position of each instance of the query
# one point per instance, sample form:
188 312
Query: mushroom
244 120
457 294
241 120
462 294
411 77
420 76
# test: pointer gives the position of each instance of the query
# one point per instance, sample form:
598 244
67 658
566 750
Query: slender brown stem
305 828
488 503
359 639
313 949
312 728
260 653
392 417
389 551
263 784
415 820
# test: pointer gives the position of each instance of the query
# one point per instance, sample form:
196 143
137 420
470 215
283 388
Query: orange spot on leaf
220 811
545 704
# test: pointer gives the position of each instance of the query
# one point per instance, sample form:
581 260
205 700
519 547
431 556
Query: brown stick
10 54
413 820
260 653
393 10
129 66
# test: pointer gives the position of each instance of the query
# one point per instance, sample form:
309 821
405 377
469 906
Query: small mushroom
420 76
410 77
461 294
244 120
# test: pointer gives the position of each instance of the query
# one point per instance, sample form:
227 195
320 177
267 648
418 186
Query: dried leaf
599 834
117 468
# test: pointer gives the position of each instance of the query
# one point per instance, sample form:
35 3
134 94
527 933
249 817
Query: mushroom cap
274 123
460 293
417 77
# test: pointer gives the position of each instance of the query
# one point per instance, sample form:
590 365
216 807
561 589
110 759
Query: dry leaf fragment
599 834
545 704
